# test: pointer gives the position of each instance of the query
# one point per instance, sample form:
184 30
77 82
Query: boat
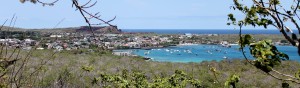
146 53
225 44
209 52
189 51
167 50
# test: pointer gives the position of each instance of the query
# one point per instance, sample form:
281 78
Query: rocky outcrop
102 29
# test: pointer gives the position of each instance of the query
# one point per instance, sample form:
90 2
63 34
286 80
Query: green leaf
232 80
238 5
228 23
267 56
297 74
87 68
246 40
275 2
231 18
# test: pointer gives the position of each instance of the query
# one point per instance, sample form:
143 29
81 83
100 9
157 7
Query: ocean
199 53
206 31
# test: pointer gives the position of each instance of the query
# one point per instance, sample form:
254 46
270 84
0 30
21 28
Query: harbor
201 52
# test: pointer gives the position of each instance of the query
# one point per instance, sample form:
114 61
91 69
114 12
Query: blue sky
131 14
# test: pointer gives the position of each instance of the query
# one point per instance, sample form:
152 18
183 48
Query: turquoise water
199 53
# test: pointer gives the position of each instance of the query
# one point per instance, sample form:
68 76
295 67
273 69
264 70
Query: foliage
297 74
232 80
67 70
246 40
87 68
215 72
266 13
139 80
267 56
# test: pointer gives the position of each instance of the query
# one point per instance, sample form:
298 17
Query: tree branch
49 4
291 80
85 14
242 48
284 74
278 21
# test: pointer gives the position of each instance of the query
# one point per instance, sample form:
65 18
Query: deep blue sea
206 31
199 53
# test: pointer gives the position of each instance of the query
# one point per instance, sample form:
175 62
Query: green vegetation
265 13
102 69
98 69
233 38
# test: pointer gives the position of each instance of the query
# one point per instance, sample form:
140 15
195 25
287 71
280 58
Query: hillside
97 29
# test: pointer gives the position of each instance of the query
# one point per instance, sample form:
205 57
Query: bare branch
3 24
86 3
75 3
88 16
85 6
59 22
49 4
291 80
284 74
41 65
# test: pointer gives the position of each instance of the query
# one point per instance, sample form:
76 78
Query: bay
199 53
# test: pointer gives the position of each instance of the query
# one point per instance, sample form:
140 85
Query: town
109 38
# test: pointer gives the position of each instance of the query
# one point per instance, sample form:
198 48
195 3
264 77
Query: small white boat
167 50
146 53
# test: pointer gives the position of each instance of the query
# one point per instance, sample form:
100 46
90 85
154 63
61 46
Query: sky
131 14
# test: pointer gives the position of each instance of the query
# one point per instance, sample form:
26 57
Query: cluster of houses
25 44
71 41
